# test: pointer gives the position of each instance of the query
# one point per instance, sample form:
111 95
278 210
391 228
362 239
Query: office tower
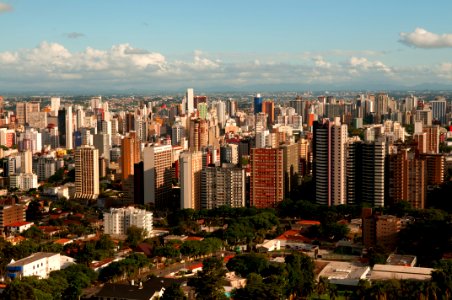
267 177
229 154
198 100
44 166
231 107
432 138
190 179
189 101
439 110
101 141
55 105
329 143
118 220
291 161
366 172
157 175
244 150
130 155
198 134
86 172
222 186
257 104
62 113
425 116
37 119
221 113
268 107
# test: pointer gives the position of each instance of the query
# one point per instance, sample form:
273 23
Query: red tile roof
293 235
308 222
18 224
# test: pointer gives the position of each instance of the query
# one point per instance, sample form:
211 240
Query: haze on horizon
262 45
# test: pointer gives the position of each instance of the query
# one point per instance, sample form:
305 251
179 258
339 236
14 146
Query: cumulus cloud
4 7
52 66
422 38
74 35
364 64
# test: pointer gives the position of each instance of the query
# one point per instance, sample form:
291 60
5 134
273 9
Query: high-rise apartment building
291 160
86 172
190 179
130 155
329 160
157 175
267 177
198 134
268 107
366 172
118 220
222 186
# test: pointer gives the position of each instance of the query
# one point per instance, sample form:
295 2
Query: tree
135 235
173 292
246 264
300 275
18 290
33 212
208 284
322 286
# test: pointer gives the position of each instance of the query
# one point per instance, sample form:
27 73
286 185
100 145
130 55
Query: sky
109 45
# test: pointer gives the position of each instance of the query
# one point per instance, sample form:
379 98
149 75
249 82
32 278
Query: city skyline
168 46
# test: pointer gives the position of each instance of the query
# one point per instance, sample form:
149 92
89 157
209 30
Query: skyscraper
268 107
439 110
189 101
157 163
267 178
222 186
130 155
329 143
190 179
86 172
257 104
69 128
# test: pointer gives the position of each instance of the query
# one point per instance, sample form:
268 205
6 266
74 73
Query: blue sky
87 44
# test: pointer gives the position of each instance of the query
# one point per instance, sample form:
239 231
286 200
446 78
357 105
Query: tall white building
55 105
189 98
118 220
190 179
221 113
69 128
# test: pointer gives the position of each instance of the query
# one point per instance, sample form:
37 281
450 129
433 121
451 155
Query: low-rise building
18 226
344 273
387 272
39 264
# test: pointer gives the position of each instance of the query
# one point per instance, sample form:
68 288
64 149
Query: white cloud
4 7
53 66
422 38
363 63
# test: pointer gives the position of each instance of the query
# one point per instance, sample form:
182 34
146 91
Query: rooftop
32 258
344 272
18 224
401 260
385 272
